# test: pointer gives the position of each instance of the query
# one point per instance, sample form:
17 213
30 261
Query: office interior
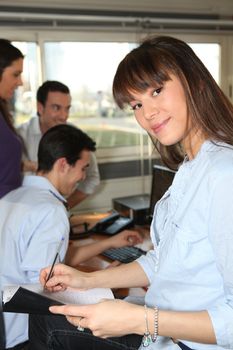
94 35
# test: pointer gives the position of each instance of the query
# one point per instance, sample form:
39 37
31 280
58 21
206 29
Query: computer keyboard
124 254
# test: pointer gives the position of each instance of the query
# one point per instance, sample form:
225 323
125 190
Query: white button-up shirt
33 222
191 267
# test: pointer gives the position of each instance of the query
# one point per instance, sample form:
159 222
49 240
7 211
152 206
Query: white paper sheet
69 296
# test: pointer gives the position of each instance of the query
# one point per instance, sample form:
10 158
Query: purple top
10 159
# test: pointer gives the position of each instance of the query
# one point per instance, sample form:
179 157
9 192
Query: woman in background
11 66
189 274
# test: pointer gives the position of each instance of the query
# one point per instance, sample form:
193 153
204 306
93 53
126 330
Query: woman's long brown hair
150 65
8 54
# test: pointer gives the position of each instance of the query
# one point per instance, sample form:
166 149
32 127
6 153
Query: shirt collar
42 183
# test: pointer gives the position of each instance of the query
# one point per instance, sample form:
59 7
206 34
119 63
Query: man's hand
125 238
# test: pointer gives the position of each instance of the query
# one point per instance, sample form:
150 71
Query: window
125 167
24 100
88 69
209 54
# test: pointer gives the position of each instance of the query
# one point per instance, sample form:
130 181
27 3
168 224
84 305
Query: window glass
88 69
209 54
24 101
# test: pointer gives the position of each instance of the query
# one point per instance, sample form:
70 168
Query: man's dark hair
62 141
50 86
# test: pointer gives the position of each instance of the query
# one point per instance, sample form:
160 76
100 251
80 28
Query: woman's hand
125 238
63 276
108 318
29 165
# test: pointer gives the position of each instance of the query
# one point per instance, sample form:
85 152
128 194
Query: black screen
162 178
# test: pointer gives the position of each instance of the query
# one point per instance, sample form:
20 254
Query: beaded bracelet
147 337
156 324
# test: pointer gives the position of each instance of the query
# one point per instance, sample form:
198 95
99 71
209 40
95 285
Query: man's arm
76 255
43 229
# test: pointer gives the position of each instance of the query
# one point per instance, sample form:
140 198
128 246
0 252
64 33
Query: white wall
114 188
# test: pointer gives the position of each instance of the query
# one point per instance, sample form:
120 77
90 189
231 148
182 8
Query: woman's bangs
136 75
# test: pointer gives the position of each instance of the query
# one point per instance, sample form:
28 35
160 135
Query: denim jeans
2 331
56 333
21 346
183 346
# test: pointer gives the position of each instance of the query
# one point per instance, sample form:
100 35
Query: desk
100 262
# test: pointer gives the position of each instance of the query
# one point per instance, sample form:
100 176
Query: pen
54 261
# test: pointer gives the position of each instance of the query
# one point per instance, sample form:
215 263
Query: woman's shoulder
220 159
3 123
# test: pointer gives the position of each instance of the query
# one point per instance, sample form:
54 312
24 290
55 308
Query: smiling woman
11 79
188 273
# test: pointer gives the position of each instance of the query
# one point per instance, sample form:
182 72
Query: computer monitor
162 178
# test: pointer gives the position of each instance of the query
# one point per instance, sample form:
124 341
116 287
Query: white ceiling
125 15
222 7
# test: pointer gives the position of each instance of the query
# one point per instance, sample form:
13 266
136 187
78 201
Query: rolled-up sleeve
148 263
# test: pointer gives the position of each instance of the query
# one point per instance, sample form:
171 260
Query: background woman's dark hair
8 54
151 64
62 141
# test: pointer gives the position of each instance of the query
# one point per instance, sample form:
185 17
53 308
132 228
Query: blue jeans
2 331
183 346
56 333
21 346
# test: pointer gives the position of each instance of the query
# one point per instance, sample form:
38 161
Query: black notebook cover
28 302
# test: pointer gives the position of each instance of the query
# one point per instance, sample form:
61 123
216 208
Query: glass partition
88 69
24 101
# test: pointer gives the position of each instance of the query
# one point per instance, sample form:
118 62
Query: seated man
53 105
34 218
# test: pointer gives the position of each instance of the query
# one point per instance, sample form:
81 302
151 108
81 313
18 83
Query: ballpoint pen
54 261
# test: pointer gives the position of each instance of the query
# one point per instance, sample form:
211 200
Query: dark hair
50 86
8 54
151 64
62 141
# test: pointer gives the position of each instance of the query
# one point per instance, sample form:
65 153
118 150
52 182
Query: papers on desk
33 299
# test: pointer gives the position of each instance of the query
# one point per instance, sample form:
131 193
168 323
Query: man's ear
62 165
40 108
